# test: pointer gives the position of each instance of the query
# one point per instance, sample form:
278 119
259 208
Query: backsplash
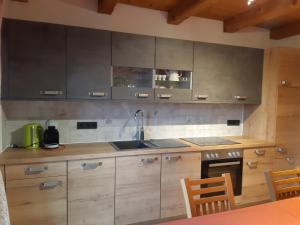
116 122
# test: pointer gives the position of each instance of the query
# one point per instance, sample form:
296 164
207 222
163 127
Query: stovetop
209 141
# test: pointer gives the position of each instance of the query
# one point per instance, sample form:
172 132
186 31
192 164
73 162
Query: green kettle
33 133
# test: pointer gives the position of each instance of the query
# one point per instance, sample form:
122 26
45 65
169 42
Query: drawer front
91 185
37 201
19 172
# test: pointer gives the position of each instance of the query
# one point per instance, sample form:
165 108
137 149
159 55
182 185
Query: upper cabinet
88 63
36 60
174 54
133 63
131 50
225 73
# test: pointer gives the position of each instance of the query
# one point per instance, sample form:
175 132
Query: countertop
103 150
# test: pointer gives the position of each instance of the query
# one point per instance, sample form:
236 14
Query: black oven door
215 168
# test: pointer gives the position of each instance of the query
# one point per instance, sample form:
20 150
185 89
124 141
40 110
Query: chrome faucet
139 115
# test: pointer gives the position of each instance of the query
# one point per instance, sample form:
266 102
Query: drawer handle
290 160
91 166
173 158
252 165
260 152
51 93
284 82
97 94
164 96
148 161
201 97
35 170
242 98
142 95
281 150
50 185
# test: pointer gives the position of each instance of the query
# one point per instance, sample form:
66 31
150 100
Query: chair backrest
4 217
207 196
284 184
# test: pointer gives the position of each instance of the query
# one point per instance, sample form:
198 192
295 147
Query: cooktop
208 141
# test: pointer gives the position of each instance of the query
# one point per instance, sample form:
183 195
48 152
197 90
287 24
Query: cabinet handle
284 82
50 185
252 165
290 160
201 97
173 158
260 152
142 95
51 93
281 150
148 160
97 94
164 96
242 98
35 170
91 166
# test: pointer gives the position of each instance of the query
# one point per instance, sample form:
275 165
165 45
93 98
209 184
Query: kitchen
107 105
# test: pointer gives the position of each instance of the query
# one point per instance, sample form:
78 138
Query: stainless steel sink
131 145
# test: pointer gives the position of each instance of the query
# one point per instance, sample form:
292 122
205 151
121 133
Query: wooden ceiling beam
261 13
106 6
186 9
285 31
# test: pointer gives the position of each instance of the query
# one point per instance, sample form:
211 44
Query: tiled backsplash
116 122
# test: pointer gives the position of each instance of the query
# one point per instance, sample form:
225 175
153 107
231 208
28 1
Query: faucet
139 115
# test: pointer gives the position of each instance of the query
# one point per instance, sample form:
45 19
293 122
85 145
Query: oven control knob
212 155
230 154
234 154
217 155
238 154
207 156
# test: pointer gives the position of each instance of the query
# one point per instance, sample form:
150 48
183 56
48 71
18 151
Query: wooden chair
283 184
196 195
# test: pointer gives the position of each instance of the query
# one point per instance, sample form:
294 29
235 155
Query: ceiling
281 17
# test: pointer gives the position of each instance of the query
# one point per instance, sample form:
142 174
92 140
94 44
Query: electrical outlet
86 125
233 122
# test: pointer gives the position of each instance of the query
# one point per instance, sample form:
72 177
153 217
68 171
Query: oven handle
224 164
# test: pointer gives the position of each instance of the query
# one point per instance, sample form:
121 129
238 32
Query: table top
284 212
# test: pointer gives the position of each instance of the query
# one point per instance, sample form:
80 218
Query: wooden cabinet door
175 167
174 54
38 201
137 189
36 57
88 63
255 188
224 73
91 185
131 50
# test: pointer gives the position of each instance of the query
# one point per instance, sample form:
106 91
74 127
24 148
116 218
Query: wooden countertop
102 150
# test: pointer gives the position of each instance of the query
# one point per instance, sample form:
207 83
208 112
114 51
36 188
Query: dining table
283 212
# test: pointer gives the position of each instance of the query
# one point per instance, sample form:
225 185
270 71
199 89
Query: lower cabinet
175 167
254 187
137 189
91 186
37 201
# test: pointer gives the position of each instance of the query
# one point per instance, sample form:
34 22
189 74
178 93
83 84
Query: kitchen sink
150 144
131 145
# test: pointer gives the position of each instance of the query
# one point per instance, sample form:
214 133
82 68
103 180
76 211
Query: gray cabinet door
130 50
174 54
124 93
88 63
228 74
173 95
36 60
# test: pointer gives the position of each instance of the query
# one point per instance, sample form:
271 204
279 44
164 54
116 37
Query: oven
215 163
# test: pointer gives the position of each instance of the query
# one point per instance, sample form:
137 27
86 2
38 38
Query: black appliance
215 163
51 136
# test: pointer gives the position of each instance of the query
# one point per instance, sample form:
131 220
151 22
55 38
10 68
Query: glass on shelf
132 77
172 79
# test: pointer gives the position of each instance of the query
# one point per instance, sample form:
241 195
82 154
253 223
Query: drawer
19 172
38 201
259 153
